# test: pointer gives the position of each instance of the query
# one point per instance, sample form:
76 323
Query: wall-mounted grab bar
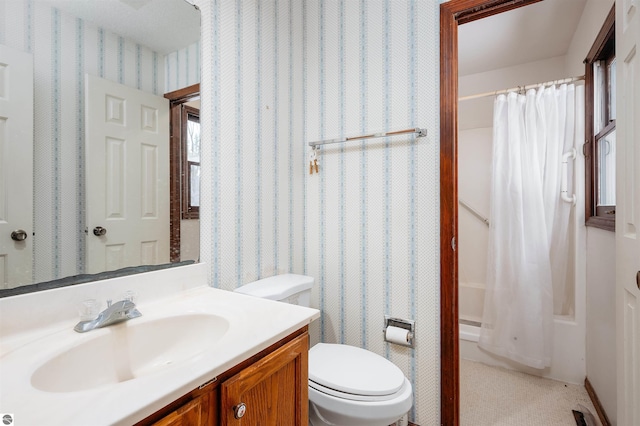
418 131
474 212
565 177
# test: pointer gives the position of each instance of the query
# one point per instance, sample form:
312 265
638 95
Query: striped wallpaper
64 48
253 190
182 68
279 73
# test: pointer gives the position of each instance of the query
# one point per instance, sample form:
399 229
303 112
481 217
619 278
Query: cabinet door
274 390
194 413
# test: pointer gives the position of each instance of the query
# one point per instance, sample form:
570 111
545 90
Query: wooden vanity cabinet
272 391
268 389
199 411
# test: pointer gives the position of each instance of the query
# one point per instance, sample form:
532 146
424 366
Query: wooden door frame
176 99
452 14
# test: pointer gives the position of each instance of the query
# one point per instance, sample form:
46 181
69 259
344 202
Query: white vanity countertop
254 324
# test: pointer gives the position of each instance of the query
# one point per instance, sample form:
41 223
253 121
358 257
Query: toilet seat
353 373
349 396
325 409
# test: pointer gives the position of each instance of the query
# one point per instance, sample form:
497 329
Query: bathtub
468 333
568 362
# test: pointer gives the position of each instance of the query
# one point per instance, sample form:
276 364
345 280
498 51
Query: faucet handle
109 302
88 309
129 295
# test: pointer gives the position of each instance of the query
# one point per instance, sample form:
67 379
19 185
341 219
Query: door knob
99 231
239 410
18 235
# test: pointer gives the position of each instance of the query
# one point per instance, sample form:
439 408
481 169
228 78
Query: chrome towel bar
418 131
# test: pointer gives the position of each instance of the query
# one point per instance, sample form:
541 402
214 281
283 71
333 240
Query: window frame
603 49
188 211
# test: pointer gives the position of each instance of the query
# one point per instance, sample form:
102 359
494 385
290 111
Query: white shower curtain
528 241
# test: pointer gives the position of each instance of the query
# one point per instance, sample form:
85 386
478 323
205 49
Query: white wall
600 281
593 16
601 320
474 182
190 239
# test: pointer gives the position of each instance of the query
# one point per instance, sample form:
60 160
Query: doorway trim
452 14
176 99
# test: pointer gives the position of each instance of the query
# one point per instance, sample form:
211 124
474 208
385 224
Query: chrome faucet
116 312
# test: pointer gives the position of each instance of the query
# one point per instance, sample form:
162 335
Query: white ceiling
162 25
538 31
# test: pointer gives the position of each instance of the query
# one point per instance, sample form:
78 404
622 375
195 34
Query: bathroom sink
129 350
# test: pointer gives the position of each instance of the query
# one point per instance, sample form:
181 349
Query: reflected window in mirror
191 165
600 145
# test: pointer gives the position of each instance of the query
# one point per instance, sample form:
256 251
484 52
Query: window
600 145
191 163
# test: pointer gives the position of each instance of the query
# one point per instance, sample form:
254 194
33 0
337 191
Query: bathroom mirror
147 45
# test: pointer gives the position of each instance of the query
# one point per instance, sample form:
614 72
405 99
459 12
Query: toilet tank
289 288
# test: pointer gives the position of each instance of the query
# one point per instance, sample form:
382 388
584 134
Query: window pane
612 89
607 170
598 102
194 187
193 140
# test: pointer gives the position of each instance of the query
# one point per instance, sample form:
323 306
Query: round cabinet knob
18 235
239 410
99 231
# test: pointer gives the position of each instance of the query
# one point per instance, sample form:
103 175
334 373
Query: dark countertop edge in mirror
85 278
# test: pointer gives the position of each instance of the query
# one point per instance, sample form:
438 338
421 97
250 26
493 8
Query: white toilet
348 386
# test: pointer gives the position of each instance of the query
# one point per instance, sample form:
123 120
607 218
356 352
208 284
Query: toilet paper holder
409 325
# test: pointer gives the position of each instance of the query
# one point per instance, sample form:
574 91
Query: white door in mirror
127 165
16 167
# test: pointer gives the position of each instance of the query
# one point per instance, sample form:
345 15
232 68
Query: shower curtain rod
514 89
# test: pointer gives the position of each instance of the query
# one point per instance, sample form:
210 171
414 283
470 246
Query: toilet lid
353 370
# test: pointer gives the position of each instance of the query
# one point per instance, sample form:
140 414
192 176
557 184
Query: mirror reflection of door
16 167
127 198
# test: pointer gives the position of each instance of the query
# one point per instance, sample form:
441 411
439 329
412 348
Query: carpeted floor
492 396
